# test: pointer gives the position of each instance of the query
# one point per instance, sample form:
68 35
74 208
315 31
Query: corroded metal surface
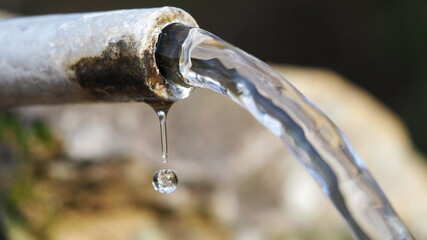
104 56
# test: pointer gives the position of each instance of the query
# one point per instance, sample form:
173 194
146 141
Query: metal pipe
101 56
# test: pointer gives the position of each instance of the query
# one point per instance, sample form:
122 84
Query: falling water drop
165 181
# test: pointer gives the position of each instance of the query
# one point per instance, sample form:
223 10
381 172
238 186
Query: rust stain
119 74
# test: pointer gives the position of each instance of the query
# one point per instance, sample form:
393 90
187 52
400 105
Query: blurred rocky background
84 171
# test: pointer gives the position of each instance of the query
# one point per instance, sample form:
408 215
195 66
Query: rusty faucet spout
101 57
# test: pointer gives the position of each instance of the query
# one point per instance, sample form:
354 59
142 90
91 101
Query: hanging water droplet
163 134
162 108
165 181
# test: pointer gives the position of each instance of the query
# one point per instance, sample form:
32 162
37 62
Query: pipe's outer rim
162 18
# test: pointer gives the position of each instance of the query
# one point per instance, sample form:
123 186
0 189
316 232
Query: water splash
194 57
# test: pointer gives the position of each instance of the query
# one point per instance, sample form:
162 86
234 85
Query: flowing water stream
193 57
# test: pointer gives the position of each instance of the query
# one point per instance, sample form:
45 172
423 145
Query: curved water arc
206 61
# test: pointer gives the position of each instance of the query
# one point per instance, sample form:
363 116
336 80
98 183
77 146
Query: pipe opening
168 52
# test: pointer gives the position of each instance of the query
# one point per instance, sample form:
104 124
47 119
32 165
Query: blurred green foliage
25 148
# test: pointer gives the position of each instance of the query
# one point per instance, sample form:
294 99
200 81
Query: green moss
42 132
11 132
